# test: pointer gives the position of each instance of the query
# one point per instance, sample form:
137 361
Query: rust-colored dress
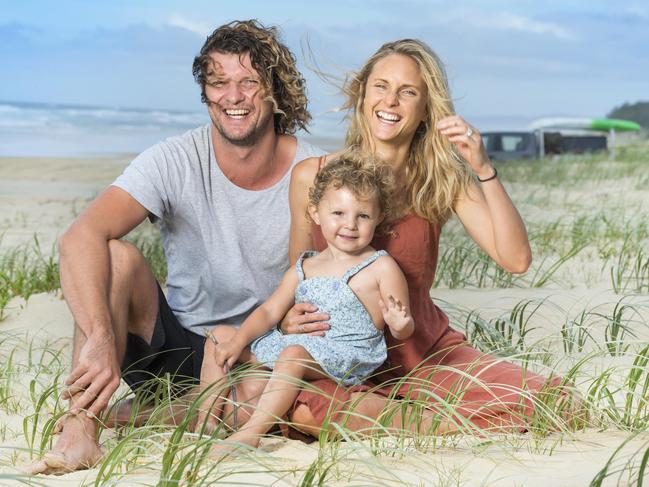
486 392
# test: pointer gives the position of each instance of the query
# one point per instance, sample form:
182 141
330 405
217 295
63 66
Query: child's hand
397 317
226 354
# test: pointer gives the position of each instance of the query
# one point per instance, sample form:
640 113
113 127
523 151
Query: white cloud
638 10
510 21
199 28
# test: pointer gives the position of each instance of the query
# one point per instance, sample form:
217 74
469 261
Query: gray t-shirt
226 247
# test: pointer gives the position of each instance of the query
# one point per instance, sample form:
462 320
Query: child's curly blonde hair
360 172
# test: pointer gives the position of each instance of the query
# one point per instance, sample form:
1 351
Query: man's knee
223 333
124 256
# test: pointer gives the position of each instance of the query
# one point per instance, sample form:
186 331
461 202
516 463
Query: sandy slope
42 196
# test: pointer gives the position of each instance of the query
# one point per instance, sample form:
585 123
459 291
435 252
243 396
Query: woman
402 111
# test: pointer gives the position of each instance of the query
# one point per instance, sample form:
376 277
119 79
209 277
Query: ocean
60 130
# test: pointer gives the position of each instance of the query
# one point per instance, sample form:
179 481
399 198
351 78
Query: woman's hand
468 142
304 318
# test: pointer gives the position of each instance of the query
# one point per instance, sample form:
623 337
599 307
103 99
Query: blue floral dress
352 348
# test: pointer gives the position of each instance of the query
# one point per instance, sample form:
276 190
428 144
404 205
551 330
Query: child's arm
395 301
262 319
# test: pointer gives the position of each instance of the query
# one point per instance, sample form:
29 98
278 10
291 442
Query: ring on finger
469 132
300 328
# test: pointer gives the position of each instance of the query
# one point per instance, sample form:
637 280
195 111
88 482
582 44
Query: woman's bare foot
76 449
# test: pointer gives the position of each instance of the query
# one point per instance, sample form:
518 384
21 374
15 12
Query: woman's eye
250 82
410 92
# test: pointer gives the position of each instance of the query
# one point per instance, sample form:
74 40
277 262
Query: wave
37 129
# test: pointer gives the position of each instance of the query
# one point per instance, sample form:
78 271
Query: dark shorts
175 355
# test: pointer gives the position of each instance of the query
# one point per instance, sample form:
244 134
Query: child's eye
364 215
337 212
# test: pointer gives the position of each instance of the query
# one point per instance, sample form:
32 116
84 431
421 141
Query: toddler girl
360 288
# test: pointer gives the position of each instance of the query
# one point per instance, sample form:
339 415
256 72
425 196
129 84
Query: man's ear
313 213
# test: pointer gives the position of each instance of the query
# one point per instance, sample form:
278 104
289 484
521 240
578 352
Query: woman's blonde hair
435 174
362 174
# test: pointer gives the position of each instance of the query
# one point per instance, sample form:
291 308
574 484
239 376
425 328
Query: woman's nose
391 98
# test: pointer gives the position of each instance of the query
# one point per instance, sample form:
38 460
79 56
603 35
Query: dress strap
359 267
321 162
298 265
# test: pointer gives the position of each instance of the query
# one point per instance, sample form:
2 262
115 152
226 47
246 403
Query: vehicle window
513 143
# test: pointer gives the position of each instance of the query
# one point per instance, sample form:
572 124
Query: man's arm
85 275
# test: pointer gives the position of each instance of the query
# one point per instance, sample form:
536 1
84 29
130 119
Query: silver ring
300 328
469 132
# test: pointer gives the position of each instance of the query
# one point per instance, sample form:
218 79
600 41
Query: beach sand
40 197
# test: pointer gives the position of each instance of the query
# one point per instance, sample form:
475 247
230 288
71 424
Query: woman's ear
313 213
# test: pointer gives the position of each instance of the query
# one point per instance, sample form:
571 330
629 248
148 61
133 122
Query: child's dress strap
298 265
357 268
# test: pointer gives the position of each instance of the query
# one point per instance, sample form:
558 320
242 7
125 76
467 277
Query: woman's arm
302 177
395 300
491 219
486 211
303 317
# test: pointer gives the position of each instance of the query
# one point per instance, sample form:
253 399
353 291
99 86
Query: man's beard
249 138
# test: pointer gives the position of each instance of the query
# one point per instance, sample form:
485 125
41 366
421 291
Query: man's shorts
175 355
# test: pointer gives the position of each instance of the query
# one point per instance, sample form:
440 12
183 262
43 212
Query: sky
504 58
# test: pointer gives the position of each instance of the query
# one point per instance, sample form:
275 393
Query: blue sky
504 58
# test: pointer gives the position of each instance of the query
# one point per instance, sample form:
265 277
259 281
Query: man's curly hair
361 173
275 64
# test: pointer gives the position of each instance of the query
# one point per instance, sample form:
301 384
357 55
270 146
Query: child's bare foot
237 444
76 449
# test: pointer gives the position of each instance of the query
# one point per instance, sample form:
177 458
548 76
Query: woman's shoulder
309 167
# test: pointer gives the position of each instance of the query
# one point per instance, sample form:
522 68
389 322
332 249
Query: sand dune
41 197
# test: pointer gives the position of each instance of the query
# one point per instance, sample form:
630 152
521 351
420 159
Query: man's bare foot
237 444
76 449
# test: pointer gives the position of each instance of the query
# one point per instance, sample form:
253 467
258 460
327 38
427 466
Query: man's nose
234 93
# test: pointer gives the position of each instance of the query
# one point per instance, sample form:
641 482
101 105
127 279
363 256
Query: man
220 195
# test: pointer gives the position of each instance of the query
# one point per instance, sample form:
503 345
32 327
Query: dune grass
600 349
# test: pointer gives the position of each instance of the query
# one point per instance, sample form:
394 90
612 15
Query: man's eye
216 84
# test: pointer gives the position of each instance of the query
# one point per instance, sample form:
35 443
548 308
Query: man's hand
95 378
226 354
304 318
